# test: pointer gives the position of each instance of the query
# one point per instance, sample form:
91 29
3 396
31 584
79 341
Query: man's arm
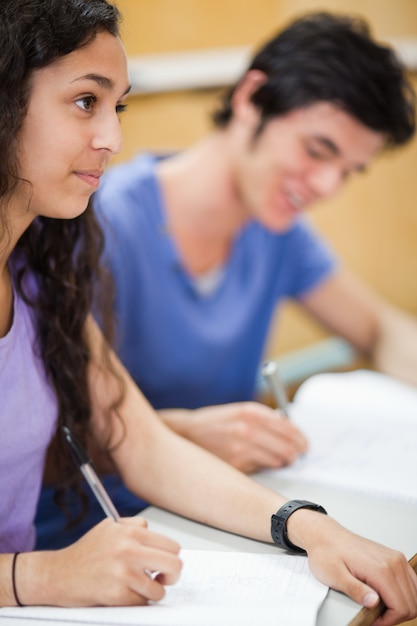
352 310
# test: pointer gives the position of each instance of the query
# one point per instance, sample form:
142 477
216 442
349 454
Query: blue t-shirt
185 349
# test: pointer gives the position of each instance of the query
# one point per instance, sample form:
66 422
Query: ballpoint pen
271 374
90 474
86 466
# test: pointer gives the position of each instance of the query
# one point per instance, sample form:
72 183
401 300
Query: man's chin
282 226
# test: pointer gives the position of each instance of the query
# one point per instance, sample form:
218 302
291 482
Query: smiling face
72 128
298 159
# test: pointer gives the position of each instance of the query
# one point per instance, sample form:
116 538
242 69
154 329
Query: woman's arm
110 564
175 474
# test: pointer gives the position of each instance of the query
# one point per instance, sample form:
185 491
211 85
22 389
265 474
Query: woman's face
72 128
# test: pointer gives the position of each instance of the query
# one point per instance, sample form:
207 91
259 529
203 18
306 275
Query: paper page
215 589
362 430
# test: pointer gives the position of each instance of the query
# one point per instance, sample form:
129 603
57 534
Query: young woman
63 80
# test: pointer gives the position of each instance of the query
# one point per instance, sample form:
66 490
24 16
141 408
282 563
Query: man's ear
243 109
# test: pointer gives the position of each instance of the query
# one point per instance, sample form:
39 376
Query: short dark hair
328 57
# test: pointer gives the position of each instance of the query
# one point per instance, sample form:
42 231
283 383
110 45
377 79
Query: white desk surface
386 521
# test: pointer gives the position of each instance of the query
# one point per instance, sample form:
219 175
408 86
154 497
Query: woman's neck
18 219
6 301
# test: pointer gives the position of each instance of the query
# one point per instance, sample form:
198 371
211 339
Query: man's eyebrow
327 143
102 81
333 148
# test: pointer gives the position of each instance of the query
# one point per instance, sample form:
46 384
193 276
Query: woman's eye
121 108
86 102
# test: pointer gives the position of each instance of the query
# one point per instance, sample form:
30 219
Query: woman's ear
243 109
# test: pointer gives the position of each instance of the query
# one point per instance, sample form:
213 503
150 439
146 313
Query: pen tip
268 368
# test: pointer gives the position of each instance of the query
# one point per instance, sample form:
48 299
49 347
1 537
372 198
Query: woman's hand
364 570
110 566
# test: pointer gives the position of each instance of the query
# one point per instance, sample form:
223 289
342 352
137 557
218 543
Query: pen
271 374
90 474
86 466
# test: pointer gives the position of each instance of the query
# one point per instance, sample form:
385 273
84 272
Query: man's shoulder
128 175
128 189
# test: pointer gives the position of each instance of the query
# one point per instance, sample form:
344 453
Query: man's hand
248 435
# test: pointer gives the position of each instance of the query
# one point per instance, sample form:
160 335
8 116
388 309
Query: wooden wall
372 225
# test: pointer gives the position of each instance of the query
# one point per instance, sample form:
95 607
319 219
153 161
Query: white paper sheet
215 589
362 430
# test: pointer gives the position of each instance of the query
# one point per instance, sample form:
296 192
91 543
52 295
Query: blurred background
183 52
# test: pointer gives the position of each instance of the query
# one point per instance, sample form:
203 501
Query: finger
282 426
137 529
258 459
404 605
275 423
397 615
250 457
166 565
266 448
134 521
149 538
359 591
269 432
396 594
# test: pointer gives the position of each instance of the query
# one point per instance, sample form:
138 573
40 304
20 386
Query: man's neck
202 209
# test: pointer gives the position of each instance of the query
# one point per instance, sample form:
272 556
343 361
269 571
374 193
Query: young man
205 244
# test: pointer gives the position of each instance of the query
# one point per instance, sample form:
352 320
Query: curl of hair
326 57
62 255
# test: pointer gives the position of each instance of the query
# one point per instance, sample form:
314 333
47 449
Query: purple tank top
28 414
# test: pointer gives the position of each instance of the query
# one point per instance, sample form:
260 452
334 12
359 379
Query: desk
382 520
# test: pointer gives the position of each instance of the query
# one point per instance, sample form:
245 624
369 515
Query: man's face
299 158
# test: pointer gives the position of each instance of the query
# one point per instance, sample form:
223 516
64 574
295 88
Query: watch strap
279 523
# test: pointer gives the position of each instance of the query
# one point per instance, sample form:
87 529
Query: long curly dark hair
62 255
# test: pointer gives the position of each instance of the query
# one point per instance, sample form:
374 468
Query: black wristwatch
279 523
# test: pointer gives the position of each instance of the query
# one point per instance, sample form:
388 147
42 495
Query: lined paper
362 431
215 589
